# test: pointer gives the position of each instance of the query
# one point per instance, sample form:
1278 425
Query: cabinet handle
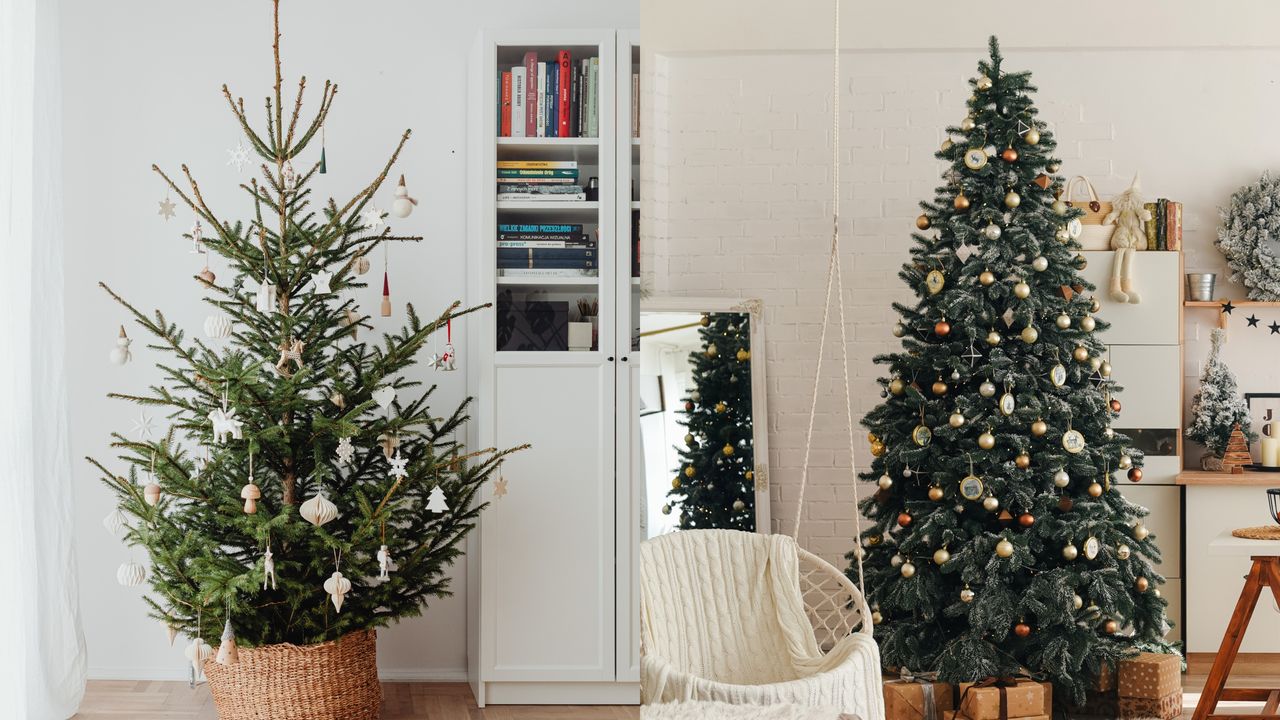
610 358
624 358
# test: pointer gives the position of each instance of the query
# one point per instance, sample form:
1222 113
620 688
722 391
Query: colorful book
548 243
573 228
537 181
547 272
529 187
553 97
582 98
541 69
1162 223
504 113
537 165
530 87
1150 225
553 264
575 99
532 254
571 173
532 196
1173 233
593 98
562 94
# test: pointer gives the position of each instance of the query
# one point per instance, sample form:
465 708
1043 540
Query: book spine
1150 225
570 173
567 228
574 99
1162 223
530 101
541 122
582 98
553 96
504 113
559 197
595 97
537 181
562 95
547 264
551 189
635 105
541 253
1171 225
549 242
547 272
517 102
635 243
1175 239
537 165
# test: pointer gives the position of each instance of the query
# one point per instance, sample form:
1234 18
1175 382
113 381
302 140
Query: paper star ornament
399 466
144 427
373 218
238 156
346 451
167 208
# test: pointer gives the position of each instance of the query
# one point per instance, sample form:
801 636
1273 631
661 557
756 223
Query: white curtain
42 656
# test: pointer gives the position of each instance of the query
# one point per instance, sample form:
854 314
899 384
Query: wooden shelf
1235 303
1245 479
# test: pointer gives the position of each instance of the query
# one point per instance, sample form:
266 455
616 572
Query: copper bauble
1095 490
1023 461
904 519
939 388
1141 584
935 493
942 328
688 407
1135 474
1115 405
1111 627
961 202
923 223
1022 630
1009 155
1026 520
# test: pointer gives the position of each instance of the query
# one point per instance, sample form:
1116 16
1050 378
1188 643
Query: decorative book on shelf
550 97
1237 453
1164 229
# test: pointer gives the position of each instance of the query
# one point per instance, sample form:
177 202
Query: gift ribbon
926 681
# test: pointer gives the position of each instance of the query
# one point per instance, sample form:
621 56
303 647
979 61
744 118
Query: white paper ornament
198 652
115 522
266 299
318 510
218 327
238 156
228 653
144 428
131 574
172 630
384 396
403 204
398 466
120 354
384 563
436 501
337 587
346 451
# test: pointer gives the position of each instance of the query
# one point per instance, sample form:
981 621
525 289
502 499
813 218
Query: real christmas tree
1217 407
714 486
282 404
999 544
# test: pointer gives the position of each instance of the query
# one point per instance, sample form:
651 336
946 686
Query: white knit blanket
722 619
725 711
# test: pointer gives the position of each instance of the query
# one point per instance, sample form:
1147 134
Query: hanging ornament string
834 277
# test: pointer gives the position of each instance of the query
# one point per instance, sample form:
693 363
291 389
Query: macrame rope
835 276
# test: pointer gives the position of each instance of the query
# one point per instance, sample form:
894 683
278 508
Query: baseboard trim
182 674
561 693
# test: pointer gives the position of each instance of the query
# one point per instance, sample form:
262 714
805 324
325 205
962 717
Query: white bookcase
553 610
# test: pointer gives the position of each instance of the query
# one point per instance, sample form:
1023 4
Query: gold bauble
689 471
1070 551
1141 584
939 388
899 330
1095 490
1087 323
990 503
1030 335
1021 290
1140 531
749 475
1031 137
961 202
1059 207
1105 369
727 449
739 506
712 351
721 407
872 437
1111 627
982 83
1053 167
1012 200
1004 548
1123 552
744 355
1023 461
1039 428
705 320
1077 602
885 482
923 222
986 441
993 338
1125 462
946 145
956 419
688 438
877 449
967 124
935 493
675 483
1095 363
896 386
1081 353
987 277
1081 262
1063 321
941 556
907 570
1095 305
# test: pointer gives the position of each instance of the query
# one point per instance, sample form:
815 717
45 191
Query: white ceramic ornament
218 327
228 653
403 204
399 466
115 522
345 451
266 299
384 563
268 569
225 423
131 574
384 396
318 510
436 502
337 587
120 354
198 652
320 282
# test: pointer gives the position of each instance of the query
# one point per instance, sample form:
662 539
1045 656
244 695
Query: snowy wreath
1250 237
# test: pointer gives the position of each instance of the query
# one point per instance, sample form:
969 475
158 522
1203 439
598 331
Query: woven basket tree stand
336 680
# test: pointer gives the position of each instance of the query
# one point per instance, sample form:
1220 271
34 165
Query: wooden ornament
1043 181
250 494
228 653
385 310
1237 453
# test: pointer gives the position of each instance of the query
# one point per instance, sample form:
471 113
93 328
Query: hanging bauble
1095 363
403 204
727 449
675 483
993 338
896 386
1012 199
318 510
120 354
1135 474
739 506
885 482
1140 531
967 124
986 441
695 396
1026 520
218 327
986 277
1021 290
1022 630
907 570
1061 479
1053 167
1065 504
1111 627
1040 263
1004 548
384 563
923 223
1059 207
1081 353
1039 428
206 277
1123 552
939 387
1063 321
712 351
1077 602
946 145
935 493
228 653
1023 461
337 586
250 493
1125 461
896 561
961 202
982 83
966 595
990 503
876 617
1114 404
1095 490
688 406
1141 584
1095 305
955 374
956 419
1061 234
115 522
987 389
666 509
743 355
721 408
899 330
151 493
904 519
1087 324
689 471
1031 137
991 231
1070 551
942 328
688 439
197 653
941 556
1030 335
130 574
1009 155
877 449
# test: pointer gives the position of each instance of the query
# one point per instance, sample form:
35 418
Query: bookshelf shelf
550 281
541 142
548 206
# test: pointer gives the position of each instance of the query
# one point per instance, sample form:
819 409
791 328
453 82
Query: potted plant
304 494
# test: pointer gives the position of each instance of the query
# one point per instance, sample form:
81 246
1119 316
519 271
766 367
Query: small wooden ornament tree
1237 454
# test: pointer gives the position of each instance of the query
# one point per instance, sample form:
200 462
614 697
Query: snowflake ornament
346 451
399 466
144 428
167 208
238 156
499 488
373 218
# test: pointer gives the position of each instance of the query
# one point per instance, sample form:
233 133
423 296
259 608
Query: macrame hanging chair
751 618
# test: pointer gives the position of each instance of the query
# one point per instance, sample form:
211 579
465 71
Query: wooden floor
113 700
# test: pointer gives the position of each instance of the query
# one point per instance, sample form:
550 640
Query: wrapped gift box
1024 700
1167 707
906 700
1150 675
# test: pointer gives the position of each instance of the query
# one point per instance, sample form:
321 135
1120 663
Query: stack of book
553 98
539 180
1164 229
546 250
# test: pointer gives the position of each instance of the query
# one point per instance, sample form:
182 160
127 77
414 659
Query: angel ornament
1130 236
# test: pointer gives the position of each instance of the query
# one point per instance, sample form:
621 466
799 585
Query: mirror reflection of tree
714 486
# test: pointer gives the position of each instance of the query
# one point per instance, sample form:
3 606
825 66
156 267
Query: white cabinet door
1151 376
1172 592
1155 320
1164 522
549 582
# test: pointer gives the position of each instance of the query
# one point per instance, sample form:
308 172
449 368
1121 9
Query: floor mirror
703 419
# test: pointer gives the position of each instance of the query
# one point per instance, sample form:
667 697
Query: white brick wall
736 177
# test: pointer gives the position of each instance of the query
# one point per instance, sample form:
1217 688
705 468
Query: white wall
142 83
736 172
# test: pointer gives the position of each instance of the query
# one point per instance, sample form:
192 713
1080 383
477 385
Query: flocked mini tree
304 488
714 486
998 542
1217 407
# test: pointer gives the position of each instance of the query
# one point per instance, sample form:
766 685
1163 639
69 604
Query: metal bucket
1200 286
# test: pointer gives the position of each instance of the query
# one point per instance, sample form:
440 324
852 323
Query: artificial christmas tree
999 545
1217 407
714 486
305 491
